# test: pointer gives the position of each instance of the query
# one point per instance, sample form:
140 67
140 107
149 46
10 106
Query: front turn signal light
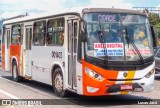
148 75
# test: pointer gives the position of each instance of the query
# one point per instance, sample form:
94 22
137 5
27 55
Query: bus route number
56 54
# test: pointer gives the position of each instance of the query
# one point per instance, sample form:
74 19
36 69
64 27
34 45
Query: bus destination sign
114 18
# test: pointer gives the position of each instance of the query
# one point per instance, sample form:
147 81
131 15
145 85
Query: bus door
27 51
7 49
72 52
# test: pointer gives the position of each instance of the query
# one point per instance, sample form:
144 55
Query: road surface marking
31 88
8 94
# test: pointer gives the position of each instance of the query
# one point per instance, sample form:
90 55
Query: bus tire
57 82
15 74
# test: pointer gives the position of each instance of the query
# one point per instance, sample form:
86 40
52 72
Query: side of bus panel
15 51
3 49
3 56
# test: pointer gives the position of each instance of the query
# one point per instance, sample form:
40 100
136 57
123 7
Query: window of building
16 38
39 33
55 35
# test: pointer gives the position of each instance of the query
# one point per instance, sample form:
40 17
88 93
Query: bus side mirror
154 36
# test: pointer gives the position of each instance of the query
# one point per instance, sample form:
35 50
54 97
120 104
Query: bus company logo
125 74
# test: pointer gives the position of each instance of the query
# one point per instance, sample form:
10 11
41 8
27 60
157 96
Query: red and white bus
98 51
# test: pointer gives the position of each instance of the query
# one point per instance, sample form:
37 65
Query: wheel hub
58 82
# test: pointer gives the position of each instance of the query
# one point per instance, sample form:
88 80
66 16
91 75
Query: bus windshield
106 36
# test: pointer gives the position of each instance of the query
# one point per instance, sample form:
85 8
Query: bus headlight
94 75
149 73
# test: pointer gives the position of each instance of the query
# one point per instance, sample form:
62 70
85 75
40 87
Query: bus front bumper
114 87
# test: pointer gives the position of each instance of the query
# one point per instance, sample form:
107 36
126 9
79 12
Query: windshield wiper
133 44
102 41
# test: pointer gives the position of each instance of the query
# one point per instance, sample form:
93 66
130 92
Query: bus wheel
15 75
57 82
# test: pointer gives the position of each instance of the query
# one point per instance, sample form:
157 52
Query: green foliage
155 20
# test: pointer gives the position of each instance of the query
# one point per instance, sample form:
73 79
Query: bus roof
77 11
36 17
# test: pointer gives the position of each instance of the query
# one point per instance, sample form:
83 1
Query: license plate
126 87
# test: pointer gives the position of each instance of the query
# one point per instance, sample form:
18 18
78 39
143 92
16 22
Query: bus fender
56 65
14 59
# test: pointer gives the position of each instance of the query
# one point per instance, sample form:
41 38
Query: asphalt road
35 90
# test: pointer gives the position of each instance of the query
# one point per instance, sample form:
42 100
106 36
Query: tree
155 20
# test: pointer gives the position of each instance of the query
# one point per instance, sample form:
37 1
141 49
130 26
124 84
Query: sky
10 8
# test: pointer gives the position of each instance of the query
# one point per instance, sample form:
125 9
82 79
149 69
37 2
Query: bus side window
22 32
48 39
80 46
75 36
39 33
16 36
4 29
55 32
